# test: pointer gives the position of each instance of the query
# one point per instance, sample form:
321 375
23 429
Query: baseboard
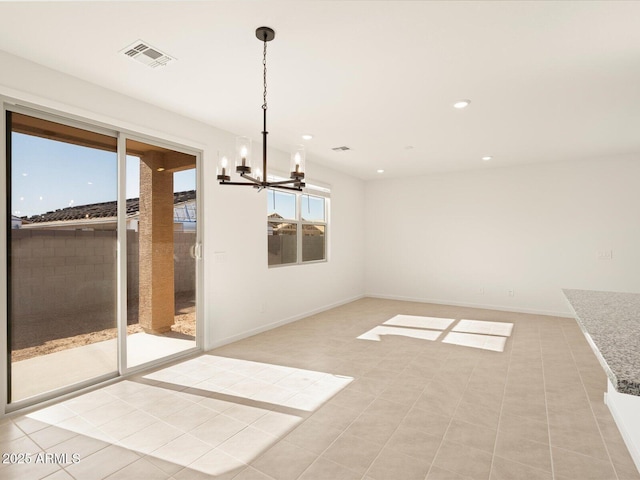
280 323
483 306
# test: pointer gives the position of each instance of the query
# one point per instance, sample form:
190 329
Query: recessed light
380 170
461 104
486 158
307 136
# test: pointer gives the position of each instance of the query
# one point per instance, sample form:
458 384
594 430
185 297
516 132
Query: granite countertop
611 323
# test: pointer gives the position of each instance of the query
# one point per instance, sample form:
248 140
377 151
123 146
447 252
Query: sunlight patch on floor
482 334
381 330
433 323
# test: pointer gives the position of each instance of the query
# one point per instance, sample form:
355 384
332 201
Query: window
296 227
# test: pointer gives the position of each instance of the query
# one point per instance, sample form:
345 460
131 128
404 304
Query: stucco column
156 305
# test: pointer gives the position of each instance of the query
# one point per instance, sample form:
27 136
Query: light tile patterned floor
324 398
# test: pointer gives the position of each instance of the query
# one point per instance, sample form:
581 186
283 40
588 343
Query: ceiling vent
144 53
340 149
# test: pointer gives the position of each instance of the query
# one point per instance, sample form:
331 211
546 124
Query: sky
48 175
284 204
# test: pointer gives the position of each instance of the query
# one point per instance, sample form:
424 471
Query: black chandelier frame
296 182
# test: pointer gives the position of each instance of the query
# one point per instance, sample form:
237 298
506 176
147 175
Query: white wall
534 229
234 217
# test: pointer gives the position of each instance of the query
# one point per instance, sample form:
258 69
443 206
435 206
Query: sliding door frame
121 370
124 369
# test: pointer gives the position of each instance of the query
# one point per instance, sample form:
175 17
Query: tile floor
369 390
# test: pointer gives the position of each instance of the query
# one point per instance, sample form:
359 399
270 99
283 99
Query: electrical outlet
510 292
480 291
605 254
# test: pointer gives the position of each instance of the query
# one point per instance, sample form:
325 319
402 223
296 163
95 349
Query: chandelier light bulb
223 173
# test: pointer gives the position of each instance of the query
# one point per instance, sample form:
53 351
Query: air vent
145 53
340 149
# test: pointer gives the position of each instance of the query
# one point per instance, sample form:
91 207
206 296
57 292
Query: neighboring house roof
101 210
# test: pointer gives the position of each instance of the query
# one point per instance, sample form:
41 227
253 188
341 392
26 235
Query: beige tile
415 442
102 463
139 469
578 433
336 416
80 444
437 473
217 430
402 394
372 386
127 425
9 431
284 461
22 471
436 405
478 415
248 444
189 417
574 465
215 463
515 446
277 423
465 461
391 462
182 451
150 438
313 436
246 414
110 411
503 469
352 398
251 473
387 409
323 469
373 428
429 422
411 391
20 444
527 427
50 436
471 435
524 407
58 475
353 452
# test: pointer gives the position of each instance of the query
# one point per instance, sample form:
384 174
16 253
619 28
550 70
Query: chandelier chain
264 74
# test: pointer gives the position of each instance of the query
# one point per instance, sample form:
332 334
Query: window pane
312 209
282 243
62 256
313 240
281 205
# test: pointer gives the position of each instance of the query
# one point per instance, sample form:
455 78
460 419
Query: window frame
312 191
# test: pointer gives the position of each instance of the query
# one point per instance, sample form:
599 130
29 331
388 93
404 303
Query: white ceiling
547 80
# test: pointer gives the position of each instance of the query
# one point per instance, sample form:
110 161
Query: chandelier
259 179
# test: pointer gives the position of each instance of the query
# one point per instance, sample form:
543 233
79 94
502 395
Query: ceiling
548 81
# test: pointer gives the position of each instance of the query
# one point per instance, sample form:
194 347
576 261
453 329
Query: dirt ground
184 326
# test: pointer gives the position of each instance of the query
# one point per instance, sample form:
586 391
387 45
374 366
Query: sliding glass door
61 246
102 254
161 251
